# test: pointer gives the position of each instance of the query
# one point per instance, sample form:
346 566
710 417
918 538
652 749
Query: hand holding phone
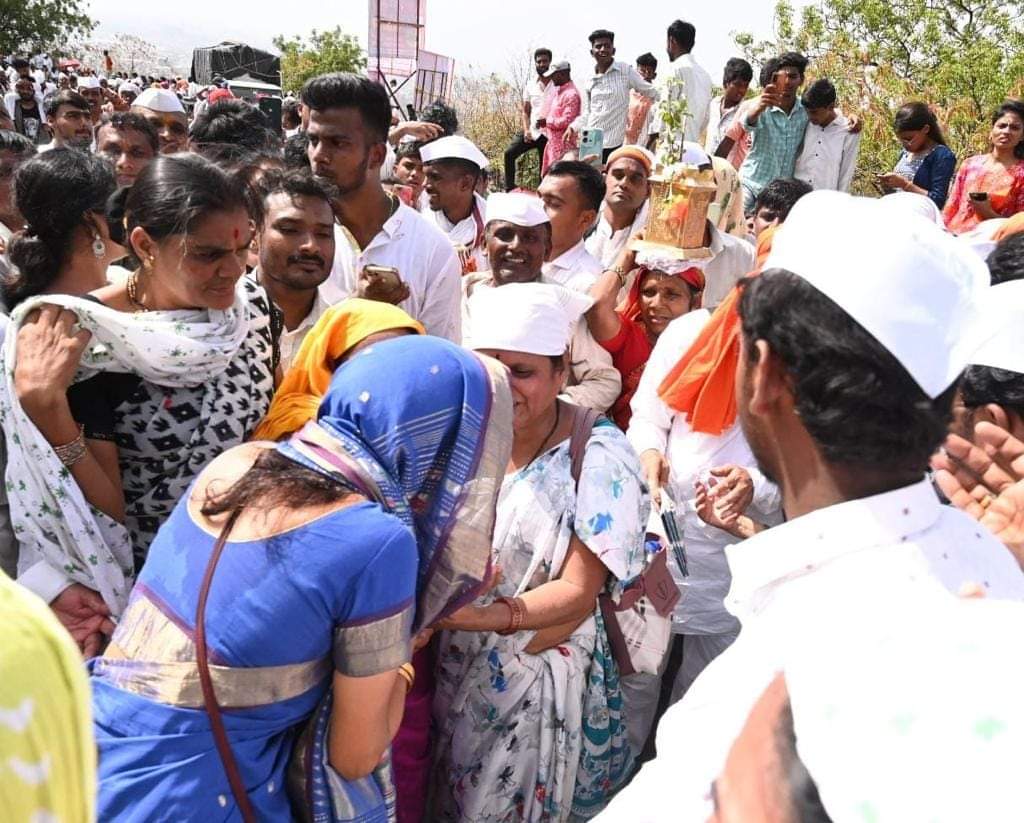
383 284
978 196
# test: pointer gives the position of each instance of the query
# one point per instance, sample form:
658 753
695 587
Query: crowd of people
346 480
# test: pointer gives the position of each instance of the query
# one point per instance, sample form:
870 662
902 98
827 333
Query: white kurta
466 236
605 245
831 562
425 260
575 269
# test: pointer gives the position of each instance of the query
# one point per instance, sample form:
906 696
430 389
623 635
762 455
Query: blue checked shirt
776 138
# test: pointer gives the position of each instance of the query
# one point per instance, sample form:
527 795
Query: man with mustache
517 236
295 249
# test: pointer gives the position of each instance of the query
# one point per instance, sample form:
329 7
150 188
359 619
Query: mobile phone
386 274
591 145
978 196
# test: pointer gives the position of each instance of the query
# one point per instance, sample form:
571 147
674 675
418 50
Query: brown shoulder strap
220 737
583 421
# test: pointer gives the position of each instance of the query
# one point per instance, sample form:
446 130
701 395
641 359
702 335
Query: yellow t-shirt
47 751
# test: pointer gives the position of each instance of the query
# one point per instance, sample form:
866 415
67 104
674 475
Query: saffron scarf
339 329
702 385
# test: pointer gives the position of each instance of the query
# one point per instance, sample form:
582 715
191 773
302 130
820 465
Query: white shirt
829 155
425 260
606 245
719 120
655 426
465 233
834 561
291 341
696 89
538 94
575 269
732 260
605 101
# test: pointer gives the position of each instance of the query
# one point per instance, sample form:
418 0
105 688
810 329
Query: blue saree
426 427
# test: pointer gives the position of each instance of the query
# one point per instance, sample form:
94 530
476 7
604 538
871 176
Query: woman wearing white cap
528 701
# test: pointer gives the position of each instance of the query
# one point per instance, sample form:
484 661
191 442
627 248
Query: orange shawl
339 329
702 385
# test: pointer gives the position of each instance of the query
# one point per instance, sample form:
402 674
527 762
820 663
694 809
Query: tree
963 57
322 53
490 114
42 25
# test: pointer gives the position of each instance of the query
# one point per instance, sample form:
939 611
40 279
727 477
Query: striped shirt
606 101
776 138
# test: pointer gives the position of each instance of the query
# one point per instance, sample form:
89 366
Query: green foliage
674 113
321 53
42 25
962 57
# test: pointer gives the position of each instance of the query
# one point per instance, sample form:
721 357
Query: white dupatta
52 520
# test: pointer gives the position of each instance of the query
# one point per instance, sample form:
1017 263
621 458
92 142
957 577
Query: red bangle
518 610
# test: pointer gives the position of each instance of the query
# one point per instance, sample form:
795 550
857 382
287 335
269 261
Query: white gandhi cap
911 286
162 100
535 318
1004 309
454 147
516 208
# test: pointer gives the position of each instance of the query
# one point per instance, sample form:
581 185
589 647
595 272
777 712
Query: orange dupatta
341 327
702 385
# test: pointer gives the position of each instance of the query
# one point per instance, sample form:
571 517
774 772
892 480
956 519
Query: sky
481 35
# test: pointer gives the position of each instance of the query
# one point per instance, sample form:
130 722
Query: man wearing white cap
89 87
164 111
128 91
518 238
452 166
843 398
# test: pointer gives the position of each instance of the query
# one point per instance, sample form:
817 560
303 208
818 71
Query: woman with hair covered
528 709
308 566
179 361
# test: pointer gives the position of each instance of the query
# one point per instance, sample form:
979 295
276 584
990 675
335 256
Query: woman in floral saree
528 706
344 540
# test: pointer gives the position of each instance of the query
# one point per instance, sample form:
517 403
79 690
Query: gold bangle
622 275
408 674
71 453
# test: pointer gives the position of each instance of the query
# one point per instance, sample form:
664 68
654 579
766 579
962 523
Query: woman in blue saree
344 540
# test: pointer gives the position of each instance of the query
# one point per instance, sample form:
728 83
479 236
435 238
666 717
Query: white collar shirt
291 341
829 155
826 565
466 236
732 259
605 101
605 244
696 88
425 260
719 120
538 94
655 426
575 269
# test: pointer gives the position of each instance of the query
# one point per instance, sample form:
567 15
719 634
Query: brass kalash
681 193
681 196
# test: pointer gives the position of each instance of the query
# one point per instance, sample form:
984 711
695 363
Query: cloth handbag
639 625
